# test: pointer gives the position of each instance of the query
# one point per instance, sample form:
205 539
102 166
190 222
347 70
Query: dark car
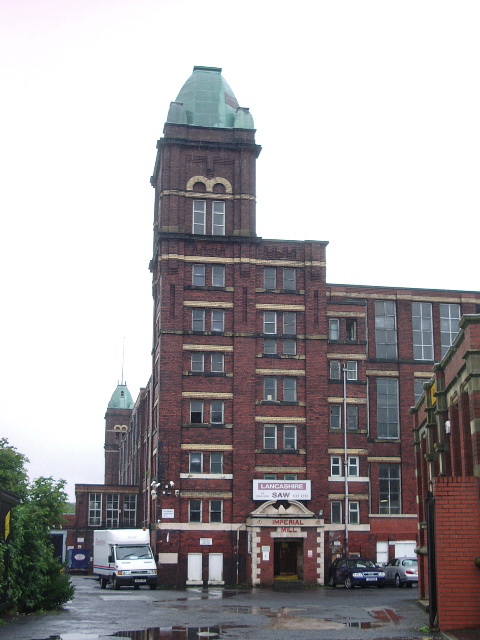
402 572
353 572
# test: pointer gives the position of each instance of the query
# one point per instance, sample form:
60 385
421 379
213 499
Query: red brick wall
457 527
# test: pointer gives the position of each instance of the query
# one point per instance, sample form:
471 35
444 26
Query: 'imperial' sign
282 490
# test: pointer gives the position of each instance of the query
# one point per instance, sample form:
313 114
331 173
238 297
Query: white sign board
168 513
206 541
282 490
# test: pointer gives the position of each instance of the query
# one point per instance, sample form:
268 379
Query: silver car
402 572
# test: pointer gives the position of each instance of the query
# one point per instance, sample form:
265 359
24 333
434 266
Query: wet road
257 614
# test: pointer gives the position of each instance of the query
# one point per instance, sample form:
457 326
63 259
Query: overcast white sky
368 115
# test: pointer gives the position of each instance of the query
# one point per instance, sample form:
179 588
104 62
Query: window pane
352 416
353 466
270 388
289 347
385 329
270 278
218 321
270 436
290 279
217 362
333 329
389 488
449 319
269 347
353 512
196 411
290 323
195 462
269 322
335 416
195 510
336 512
218 218
199 209
216 462
197 360
351 326
112 510
387 408
418 388
289 437
289 389
335 369
335 466
198 320
216 412
198 275
422 331
216 509
351 370
218 275
95 509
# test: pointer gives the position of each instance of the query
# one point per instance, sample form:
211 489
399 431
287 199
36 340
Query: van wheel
103 583
116 584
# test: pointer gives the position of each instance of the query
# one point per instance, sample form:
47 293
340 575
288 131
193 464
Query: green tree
37 580
13 476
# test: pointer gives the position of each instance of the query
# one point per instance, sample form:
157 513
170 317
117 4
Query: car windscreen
409 563
360 564
133 552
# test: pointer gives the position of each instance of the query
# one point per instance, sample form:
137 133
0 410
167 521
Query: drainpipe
345 455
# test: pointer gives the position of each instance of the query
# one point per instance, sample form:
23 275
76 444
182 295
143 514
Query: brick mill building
274 433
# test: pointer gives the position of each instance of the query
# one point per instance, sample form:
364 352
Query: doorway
288 559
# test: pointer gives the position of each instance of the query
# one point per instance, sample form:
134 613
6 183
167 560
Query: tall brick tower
117 421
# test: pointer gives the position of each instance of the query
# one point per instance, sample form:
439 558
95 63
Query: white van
124 558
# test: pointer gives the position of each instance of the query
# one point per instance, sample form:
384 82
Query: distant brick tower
117 421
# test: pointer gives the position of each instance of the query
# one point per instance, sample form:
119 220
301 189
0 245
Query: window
351 326
269 436
334 329
353 466
216 511
336 512
352 416
270 389
353 512
289 279
198 275
418 388
270 347
195 510
289 389
198 319
218 321
335 466
197 362
389 488
129 510
217 362
216 412
290 476
387 408
289 323
289 347
195 462
449 319
199 216
269 322
216 462
270 278
196 411
289 437
422 331
218 218
351 370
385 330
218 275
94 509
335 416
112 510
335 370
269 476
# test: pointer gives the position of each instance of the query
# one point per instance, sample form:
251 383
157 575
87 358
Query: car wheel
348 583
152 587
136 587
331 582
397 581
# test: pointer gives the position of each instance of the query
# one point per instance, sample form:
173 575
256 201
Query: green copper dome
206 100
121 398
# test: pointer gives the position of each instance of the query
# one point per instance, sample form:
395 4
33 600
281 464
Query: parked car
354 572
402 572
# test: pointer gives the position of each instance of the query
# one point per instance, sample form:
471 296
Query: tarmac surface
228 614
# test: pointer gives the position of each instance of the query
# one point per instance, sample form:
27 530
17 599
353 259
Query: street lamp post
345 455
